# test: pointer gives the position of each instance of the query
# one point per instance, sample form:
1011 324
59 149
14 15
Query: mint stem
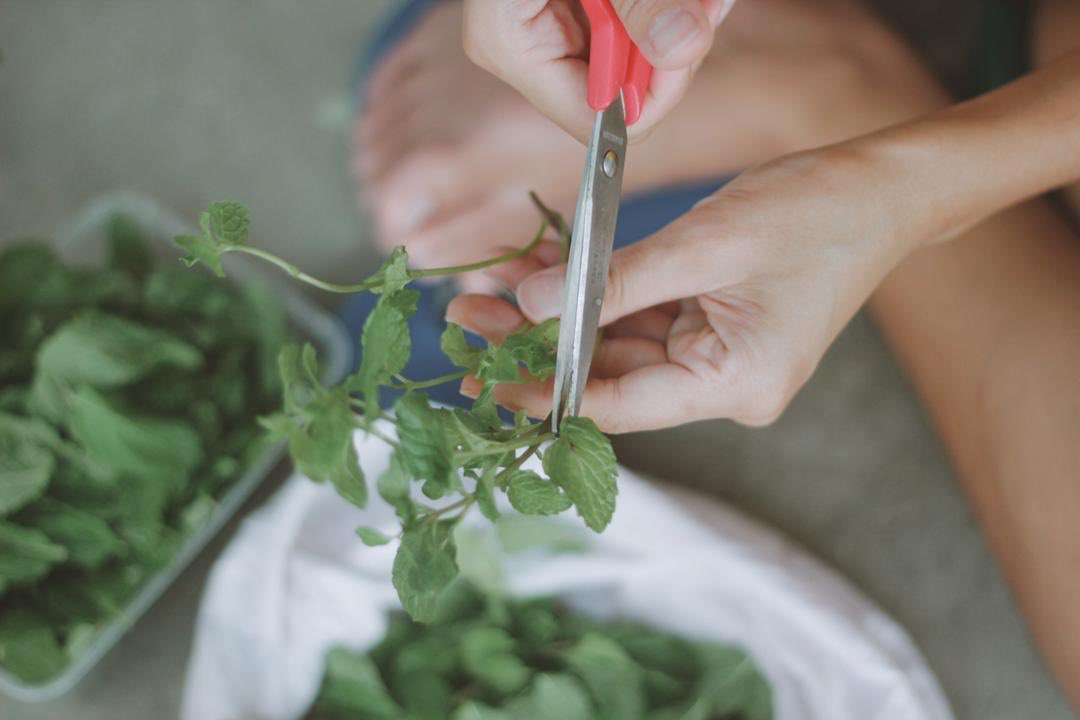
407 385
302 276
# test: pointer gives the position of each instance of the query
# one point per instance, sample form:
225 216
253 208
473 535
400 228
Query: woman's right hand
540 47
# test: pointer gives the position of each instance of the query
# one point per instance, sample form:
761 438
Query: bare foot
446 153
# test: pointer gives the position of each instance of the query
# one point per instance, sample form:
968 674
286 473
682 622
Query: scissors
619 77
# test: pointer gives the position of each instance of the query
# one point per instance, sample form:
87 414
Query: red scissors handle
615 63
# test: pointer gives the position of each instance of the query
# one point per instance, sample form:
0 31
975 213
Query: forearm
949 170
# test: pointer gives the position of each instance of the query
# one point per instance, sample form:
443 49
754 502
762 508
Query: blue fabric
639 216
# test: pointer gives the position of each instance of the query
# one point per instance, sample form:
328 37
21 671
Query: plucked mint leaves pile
487 657
459 458
128 402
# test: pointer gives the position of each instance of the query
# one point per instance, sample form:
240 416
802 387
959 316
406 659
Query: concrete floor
205 99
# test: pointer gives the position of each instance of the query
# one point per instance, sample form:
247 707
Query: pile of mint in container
130 389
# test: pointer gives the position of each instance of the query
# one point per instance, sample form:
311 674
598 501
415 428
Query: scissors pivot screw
611 163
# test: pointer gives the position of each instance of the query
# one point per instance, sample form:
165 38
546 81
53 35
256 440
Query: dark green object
500 659
130 397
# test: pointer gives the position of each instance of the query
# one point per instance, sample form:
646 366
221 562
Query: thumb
672 34
686 258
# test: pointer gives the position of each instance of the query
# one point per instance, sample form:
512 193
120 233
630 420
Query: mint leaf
459 350
372 537
533 495
353 685
424 448
487 654
385 344
476 711
393 486
425 564
201 249
347 477
582 463
614 680
26 554
393 274
88 539
29 649
559 697
103 351
25 469
731 686
497 364
229 223
484 493
536 347
128 443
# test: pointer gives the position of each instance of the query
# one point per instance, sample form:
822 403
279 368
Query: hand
726 312
540 46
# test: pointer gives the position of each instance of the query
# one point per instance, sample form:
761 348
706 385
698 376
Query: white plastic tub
83 243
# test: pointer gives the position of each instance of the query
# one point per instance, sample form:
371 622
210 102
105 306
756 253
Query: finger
616 357
400 63
687 258
511 273
650 324
648 398
671 34
488 316
467 235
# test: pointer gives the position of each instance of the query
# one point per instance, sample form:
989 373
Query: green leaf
394 273
201 249
372 537
353 685
229 223
559 697
385 344
393 486
476 711
731 686
103 351
614 680
129 252
29 649
582 463
26 554
25 468
424 448
484 493
348 478
88 539
498 364
488 654
129 443
457 348
536 348
533 495
425 564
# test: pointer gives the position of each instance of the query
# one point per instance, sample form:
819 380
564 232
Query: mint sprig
459 458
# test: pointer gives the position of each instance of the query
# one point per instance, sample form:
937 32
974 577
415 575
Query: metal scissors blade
590 255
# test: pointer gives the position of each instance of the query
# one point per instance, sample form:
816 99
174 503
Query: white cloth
296 580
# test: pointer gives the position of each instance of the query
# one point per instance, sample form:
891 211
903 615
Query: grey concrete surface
204 99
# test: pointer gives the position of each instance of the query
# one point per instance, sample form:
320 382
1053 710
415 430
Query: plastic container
82 242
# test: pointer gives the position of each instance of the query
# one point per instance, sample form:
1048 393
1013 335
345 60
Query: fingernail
540 295
720 11
672 29
470 388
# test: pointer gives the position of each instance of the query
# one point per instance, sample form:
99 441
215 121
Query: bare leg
1057 30
988 329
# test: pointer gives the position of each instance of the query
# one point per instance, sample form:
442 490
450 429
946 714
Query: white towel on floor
296 581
